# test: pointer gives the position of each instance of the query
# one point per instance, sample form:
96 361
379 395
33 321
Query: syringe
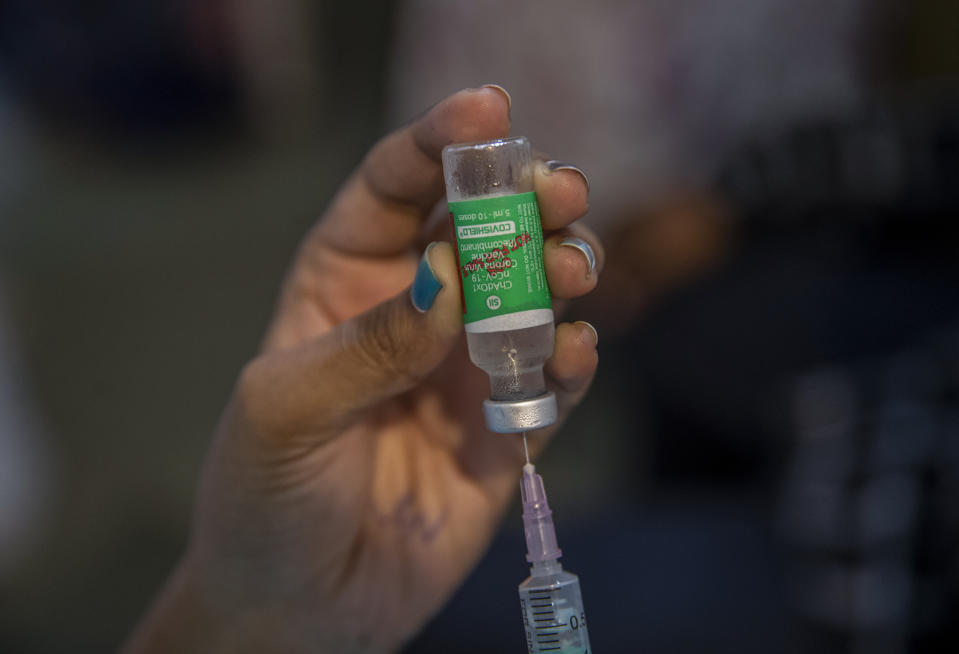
552 604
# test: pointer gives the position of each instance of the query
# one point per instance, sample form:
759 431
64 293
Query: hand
352 483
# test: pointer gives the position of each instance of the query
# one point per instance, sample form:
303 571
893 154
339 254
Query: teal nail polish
425 285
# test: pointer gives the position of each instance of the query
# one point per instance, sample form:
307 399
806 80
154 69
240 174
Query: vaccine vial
507 311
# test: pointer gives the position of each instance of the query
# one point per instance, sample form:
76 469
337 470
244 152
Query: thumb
318 389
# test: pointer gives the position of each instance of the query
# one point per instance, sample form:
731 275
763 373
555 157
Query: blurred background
769 459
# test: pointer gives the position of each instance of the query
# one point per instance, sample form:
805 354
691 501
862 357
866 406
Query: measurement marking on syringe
552 606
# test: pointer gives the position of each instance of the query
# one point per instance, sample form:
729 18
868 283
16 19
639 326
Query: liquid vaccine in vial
507 310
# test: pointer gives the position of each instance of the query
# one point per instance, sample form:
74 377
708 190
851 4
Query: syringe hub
541 542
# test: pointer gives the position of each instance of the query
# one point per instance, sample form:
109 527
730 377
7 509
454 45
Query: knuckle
383 343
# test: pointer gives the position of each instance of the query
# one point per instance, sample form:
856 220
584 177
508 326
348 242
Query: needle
525 447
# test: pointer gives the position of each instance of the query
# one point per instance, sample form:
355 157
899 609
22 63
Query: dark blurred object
653 253
828 246
844 264
139 67
284 71
891 171
869 501
910 41
143 234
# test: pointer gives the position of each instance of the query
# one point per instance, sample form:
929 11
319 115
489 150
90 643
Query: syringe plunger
541 542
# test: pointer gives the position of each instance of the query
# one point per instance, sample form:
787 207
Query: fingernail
591 328
509 99
553 165
425 285
586 249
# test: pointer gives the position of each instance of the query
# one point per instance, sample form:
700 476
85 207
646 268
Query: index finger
382 206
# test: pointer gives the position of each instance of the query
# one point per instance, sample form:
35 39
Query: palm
424 505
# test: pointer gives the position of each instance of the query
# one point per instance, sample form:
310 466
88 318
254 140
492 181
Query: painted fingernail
509 99
586 249
553 165
591 328
425 285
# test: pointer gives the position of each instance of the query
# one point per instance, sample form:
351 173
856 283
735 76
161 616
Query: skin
352 483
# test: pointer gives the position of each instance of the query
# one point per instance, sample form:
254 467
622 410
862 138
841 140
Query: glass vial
507 310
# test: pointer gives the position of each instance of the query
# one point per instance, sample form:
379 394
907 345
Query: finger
573 258
569 373
381 207
571 368
562 191
495 460
314 391
436 227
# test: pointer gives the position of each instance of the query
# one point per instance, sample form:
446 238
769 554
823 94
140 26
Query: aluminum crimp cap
514 416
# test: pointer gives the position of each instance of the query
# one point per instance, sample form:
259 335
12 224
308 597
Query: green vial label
499 245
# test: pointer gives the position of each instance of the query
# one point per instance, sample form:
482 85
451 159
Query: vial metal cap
514 416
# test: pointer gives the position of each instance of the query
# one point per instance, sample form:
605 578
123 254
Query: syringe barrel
553 612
